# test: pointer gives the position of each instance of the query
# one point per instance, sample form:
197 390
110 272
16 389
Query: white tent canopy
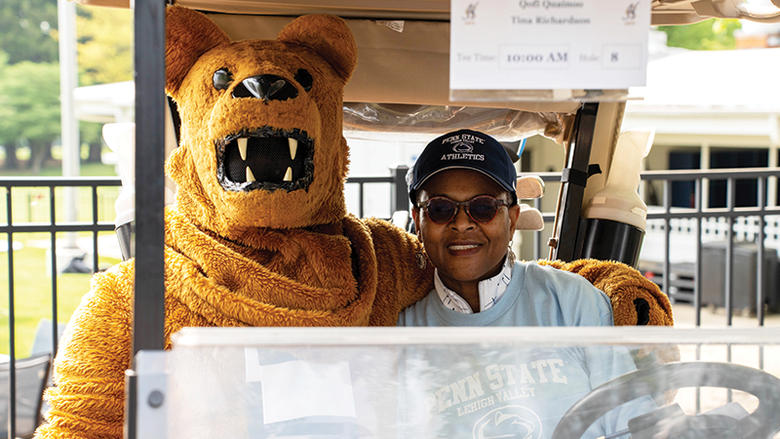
715 79
723 93
105 103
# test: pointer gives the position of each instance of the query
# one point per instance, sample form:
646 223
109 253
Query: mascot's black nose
266 87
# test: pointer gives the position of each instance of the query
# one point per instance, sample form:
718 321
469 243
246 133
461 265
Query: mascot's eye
304 78
222 79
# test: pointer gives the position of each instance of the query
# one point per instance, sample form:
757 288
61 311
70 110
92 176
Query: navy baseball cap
463 149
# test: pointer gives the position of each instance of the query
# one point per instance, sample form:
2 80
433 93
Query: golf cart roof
665 12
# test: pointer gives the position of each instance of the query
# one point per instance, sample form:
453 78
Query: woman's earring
421 258
511 254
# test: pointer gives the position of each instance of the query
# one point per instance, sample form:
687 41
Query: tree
92 135
30 108
29 92
29 30
713 34
105 45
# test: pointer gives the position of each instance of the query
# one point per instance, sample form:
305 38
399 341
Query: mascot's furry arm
93 356
94 352
635 299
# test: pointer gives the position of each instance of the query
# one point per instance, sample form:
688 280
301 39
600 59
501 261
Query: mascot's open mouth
265 158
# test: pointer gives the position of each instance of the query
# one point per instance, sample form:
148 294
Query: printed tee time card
548 44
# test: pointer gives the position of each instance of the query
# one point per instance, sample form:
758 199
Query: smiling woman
463 187
464 182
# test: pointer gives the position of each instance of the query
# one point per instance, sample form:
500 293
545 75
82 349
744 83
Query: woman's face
464 251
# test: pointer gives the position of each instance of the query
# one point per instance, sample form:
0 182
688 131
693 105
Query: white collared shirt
490 290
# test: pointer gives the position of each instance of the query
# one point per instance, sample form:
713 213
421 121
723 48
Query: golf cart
404 49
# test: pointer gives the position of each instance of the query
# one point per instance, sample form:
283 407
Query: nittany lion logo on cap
463 147
512 421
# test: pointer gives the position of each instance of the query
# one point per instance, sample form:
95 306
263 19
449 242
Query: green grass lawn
33 291
86 170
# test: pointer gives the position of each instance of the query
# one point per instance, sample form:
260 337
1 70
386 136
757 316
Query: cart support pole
149 311
573 181
149 297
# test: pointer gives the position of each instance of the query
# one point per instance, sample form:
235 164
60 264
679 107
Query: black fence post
399 199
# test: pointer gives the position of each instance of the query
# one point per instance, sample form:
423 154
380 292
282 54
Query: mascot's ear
329 36
188 35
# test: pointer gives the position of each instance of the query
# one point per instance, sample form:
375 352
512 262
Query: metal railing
53 226
729 215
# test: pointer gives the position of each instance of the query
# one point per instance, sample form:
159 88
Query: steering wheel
762 423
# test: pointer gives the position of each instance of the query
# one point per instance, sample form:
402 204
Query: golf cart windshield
560 383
